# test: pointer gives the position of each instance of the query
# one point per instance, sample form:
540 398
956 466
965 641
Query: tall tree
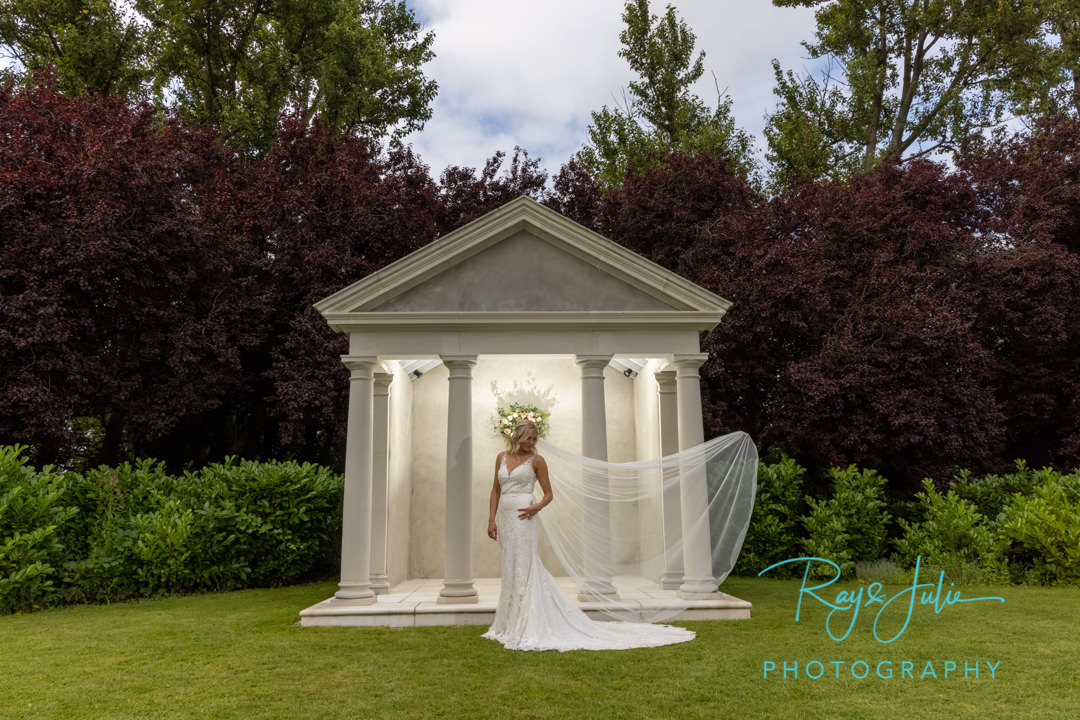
852 335
239 64
1055 88
156 289
877 360
575 194
120 310
1029 185
920 75
355 65
468 194
660 112
94 45
664 212
325 210
806 134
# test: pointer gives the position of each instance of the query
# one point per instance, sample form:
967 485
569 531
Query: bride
533 611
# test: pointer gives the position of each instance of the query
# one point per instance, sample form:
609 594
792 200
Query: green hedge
774 533
1021 527
31 514
136 531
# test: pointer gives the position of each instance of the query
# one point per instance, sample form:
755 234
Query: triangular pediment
523 273
522 258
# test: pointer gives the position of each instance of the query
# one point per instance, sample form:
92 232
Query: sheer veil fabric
606 527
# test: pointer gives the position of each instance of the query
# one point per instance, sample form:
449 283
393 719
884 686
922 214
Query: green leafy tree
659 112
806 134
354 65
1054 89
94 46
919 75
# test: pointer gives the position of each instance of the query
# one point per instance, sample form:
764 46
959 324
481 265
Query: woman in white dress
533 611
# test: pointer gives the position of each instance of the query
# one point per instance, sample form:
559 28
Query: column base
458 592
598 590
699 589
671 581
379 584
354 594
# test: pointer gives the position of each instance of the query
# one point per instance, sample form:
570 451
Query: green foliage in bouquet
514 413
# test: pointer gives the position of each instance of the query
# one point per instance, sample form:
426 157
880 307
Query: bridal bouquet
512 414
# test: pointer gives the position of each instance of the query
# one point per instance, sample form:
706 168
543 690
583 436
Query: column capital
592 362
382 382
361 366
459 366
458 362
665 379
688 361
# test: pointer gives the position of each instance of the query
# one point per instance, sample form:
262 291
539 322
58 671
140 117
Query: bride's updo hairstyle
520 431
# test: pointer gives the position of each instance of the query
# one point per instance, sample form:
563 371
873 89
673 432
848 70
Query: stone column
669 445
599 585
458 584
379 466
698 580
355 585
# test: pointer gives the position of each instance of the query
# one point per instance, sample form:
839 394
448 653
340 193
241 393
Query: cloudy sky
528 73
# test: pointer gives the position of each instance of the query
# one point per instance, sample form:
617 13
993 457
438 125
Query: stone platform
414 603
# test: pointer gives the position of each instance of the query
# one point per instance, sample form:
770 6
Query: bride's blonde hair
520 430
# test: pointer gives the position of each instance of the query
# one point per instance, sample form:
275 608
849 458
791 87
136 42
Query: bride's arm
496 491
540 467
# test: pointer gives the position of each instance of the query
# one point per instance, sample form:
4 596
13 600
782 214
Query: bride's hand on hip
527 513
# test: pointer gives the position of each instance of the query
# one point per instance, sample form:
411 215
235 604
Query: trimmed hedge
31 514
136 531
1021 527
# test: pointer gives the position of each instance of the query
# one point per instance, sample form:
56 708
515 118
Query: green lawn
240 655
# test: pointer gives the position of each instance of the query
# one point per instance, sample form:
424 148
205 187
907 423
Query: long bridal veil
623 530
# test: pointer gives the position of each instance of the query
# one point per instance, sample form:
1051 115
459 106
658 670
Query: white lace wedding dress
533 611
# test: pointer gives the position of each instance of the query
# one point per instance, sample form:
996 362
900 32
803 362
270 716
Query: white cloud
529 74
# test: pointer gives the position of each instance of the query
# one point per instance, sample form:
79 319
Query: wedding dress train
533 612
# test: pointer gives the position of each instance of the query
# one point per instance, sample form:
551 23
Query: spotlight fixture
629 367
414 368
